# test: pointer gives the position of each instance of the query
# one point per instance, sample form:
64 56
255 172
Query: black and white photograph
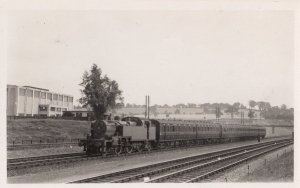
149 92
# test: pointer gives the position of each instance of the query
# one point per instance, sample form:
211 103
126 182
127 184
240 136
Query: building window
29 93
70 99
43 95
52 109
37 94
58 109
22 92
43 108
65 98
49 96
60 98
55 97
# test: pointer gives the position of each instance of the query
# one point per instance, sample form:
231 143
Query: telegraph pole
147 107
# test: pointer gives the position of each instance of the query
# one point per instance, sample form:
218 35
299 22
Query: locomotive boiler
130 134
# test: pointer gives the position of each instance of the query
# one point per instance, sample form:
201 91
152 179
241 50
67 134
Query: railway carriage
234 132
187 131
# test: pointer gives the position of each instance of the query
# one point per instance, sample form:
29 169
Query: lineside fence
50 117
43 141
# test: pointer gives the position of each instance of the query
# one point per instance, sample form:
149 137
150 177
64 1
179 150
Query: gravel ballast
85 169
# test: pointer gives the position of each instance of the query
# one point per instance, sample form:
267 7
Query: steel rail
184 172
25 159
213 172
133 173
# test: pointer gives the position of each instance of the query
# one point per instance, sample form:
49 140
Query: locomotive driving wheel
148 147
101 150
129 149
139 148
118 150
161 146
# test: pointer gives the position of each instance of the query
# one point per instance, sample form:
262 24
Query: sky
173 56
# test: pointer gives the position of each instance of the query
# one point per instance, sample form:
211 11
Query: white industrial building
33 101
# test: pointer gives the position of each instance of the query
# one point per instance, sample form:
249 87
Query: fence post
265 162
248 170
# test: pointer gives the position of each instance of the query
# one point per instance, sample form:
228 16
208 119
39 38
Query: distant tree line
266 110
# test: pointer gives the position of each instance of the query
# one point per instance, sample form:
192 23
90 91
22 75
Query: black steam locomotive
137 134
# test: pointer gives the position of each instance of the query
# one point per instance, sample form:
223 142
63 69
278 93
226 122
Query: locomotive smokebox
102 129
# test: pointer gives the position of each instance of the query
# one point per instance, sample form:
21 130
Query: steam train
136 134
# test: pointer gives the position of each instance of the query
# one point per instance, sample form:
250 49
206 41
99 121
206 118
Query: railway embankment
279 169
45 129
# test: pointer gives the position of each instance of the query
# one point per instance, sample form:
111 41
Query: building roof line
36 88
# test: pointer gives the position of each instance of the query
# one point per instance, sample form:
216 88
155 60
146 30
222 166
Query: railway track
19 163
22 163
189 169
36 146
